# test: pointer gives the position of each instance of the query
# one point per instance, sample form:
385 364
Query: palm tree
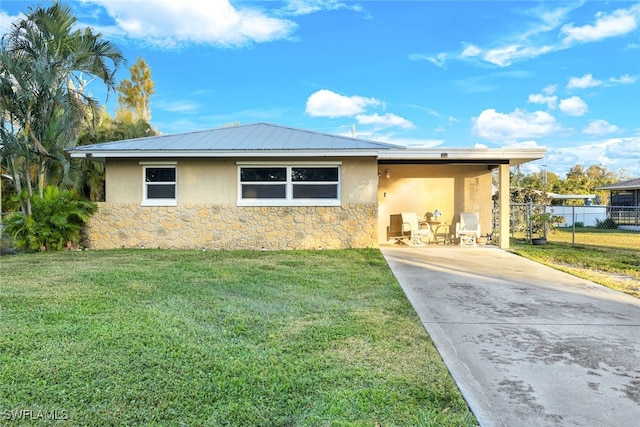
44 62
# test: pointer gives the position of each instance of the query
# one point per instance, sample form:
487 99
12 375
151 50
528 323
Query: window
275 185
623 198
160 185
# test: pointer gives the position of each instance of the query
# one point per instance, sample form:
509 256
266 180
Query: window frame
146 201
289 200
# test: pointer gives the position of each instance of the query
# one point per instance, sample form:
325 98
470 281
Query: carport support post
503 192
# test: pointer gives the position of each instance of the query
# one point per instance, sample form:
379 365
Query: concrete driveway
526 344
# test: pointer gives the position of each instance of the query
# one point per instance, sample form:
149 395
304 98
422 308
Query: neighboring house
625 201
263 186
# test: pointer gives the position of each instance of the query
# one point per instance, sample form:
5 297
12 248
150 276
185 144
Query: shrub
579 224
56 219
543 222
607 224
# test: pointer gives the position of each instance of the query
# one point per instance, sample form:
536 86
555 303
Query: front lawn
216 338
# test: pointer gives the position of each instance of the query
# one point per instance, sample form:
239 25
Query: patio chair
468 229
412 229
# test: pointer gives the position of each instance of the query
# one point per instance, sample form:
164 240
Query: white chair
468 229
411 226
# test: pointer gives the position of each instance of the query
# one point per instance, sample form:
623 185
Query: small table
445 235
433 225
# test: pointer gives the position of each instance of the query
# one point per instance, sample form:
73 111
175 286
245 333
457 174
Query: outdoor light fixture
387 174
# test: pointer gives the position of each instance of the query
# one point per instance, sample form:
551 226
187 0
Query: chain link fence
608 226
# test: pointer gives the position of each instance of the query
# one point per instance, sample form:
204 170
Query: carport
451 181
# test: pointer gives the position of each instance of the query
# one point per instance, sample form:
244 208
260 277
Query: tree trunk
41 173
25 205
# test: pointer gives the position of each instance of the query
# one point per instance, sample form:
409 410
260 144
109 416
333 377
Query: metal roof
631 184
571 196
264 140
255 137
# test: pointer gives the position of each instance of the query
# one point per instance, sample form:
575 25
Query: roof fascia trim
222 154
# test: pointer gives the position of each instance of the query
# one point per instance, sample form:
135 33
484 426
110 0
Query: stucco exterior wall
207 215
216 180
451 189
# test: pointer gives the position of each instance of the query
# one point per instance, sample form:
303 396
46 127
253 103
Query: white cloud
169 23
305 7
625 80
471 51
5 22
438 60
519 124
625 149
583 82
385 120
177 106
600 127
616 23
523 144
539 36
574 106
538 98
391 138
325 103
414 142
613 153
505 56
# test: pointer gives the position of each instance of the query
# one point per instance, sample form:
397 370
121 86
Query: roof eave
467 155
513 156
612 188
102 154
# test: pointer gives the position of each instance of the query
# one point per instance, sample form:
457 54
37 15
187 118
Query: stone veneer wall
228 227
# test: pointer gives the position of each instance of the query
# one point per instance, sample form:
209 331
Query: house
625 202
263 186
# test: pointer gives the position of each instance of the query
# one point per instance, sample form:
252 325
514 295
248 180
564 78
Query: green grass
612 267
591 236
217 338
621 239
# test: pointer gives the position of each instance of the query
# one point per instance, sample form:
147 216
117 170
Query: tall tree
134 95
580 180
44 62
105 129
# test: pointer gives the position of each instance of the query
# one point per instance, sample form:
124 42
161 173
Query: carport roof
272 141
461 156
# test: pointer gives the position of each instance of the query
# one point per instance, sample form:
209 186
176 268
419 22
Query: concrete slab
527 345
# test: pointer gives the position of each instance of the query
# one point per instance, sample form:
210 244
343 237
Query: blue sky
553 74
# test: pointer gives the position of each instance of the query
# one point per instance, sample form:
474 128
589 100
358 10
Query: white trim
158 202
288 163
158 163
447 155
133 154
289 200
